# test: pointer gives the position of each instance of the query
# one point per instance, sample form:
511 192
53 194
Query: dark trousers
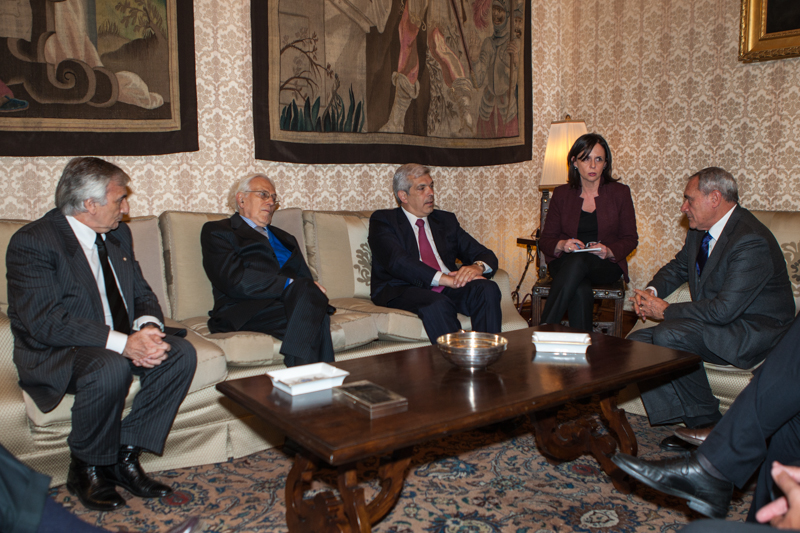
479 299
100 382
300 319
24 505
685 397
571 291
724 526
763 424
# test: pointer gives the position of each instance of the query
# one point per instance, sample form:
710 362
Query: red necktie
426 251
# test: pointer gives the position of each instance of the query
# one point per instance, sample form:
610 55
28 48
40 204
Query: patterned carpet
484 481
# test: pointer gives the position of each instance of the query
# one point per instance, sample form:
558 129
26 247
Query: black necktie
115 303
702 255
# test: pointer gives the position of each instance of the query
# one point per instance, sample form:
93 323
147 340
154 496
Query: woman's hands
604 251
572 245
569 245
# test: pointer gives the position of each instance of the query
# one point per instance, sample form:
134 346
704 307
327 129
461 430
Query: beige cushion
241 348
248 348
211 369
350 329
150 256
338 253
7 229
786 228
187 285
392 324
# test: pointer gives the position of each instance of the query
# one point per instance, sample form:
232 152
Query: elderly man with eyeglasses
260 279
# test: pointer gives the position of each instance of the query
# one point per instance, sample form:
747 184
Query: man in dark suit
260 279
414 253
759 430
85 321
741 304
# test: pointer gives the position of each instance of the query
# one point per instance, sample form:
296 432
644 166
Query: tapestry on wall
97 77
440 82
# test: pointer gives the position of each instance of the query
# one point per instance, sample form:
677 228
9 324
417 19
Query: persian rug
441 82
484 481
108 77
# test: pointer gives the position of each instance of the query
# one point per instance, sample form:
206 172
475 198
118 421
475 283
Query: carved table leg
348 513
571 439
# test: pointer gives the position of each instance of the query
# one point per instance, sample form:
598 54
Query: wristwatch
154 324
481 264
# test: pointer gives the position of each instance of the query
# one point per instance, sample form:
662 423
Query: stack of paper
547 341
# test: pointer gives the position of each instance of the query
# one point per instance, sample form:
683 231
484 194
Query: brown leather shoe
694 436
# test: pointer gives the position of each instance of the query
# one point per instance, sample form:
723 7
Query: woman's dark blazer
616 221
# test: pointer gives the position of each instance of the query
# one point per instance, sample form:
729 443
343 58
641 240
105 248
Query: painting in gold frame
770 29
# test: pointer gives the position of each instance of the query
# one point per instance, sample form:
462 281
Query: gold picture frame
756 44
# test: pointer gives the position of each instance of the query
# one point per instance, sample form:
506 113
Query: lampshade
562 136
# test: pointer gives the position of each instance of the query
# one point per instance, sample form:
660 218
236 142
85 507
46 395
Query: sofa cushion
248 348
7 229
351 329
149 254
784 226
211 369
241 348
338 254
392 324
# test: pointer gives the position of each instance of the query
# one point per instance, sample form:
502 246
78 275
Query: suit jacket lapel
78 263
246 233
439 238
407 232
719 246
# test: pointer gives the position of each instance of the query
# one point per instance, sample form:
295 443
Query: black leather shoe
192 525
128 474
90 486
683 477
676 444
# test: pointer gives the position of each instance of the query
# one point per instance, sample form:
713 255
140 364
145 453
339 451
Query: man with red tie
414 252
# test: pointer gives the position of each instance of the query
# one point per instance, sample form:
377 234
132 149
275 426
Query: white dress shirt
715 231
86 238
412 219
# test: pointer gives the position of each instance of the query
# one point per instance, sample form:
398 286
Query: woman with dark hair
589 231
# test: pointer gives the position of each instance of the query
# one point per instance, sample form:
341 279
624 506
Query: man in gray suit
741 300
85 322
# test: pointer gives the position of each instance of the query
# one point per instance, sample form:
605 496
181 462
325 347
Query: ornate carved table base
574 438
349 512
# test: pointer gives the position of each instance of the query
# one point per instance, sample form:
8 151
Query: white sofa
210 428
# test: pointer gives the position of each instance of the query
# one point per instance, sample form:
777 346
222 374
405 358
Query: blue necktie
702 256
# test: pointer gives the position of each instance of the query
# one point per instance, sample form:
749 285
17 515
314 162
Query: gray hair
86 178
404 175
717 179
243 185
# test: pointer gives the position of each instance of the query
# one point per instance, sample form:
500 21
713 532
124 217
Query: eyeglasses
264 195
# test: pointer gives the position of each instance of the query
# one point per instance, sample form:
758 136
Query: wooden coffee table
442 400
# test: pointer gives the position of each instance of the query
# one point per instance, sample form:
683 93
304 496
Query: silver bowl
472 350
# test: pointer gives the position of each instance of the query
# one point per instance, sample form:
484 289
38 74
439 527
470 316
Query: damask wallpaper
658 78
